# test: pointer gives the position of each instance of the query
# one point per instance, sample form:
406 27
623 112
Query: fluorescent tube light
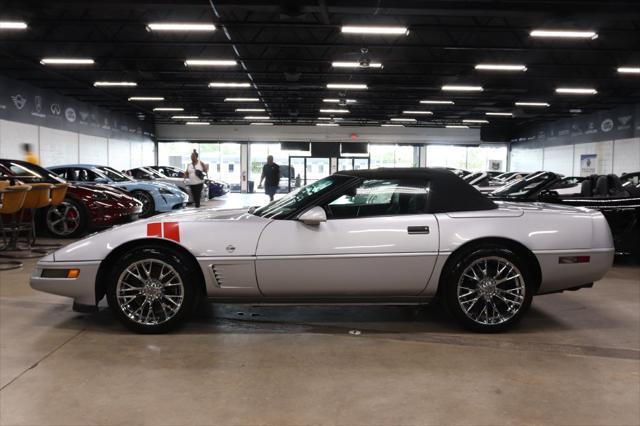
455 88
257 117
576 91
355 65
146 98
180 26
337 101
114 84
184 117
476 121
391 125
498 67
210 63
418 112
327 124
228 84
250 109
168 109
629 70
197 123
499 114
382 30
456 126
241 100
13 25
334 111
66 61
533 104
564 34
404 120
433 102
261 124
329 118
354 86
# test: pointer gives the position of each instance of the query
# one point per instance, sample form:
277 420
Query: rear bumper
82 289
558 276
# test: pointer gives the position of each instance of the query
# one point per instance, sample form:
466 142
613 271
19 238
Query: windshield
522 187
153 172
30 173
279 209
113 174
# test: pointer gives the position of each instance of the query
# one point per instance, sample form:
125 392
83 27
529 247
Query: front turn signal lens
73 273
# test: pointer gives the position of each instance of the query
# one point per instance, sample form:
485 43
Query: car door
378 240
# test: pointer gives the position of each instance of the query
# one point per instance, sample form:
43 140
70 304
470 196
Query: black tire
66 220
148 204
458 288
125 301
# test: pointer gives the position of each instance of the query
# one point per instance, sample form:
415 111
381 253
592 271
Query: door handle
418 229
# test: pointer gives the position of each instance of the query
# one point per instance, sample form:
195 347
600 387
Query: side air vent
217 276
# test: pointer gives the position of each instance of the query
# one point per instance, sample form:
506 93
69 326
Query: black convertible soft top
447 192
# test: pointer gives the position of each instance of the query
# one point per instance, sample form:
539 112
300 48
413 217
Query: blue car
156 197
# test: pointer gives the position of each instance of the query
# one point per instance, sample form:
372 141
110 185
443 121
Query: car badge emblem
230 248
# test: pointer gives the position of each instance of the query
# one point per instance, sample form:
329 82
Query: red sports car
85 208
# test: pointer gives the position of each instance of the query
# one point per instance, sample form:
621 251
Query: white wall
620 156
55 147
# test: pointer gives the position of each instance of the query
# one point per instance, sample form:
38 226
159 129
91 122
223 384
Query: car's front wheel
488 289
68 219
148 204
152 289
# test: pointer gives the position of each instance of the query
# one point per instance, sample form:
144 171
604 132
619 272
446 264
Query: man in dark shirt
271 177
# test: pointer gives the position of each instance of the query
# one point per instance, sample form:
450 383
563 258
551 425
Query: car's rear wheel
148 204
152 290
488 288
68 219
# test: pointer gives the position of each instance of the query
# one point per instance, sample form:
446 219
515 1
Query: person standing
195 177
29 155
271 177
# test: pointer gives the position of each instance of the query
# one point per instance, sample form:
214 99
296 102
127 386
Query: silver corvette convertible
385 236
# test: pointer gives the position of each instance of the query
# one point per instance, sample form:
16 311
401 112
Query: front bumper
82 289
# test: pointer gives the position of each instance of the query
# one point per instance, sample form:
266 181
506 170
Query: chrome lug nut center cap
152 290
487 288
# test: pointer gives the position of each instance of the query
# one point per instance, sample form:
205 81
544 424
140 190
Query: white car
389 236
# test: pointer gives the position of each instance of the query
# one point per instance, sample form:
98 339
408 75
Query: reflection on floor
574 360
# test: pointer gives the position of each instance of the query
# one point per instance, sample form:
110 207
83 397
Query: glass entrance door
308 170
353 163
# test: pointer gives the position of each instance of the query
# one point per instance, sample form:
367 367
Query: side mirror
314 216
549 195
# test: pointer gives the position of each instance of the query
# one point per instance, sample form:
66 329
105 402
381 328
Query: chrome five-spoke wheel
491 290
150 292
65 219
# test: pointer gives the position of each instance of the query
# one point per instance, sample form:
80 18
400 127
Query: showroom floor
574 360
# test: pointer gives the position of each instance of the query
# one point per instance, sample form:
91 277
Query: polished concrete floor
575 360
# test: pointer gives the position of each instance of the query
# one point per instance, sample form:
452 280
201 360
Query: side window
381 198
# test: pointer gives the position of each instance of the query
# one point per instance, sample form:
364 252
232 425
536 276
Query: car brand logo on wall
607 125
19 101
70 114
55 109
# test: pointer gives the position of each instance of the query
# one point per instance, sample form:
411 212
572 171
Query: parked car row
101 196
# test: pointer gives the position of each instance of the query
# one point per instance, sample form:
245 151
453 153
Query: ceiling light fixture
184 117
356 64
382 30
576 91
476 121
327 124
146 98
250 109
354 86
564 34
180 26
391 125
66 61
210 63
13 25
330 118
160 109
629 70
197 123
241 100
115 84
456 126
418 112
257 117
228 84
335 111
404 120
500 114
434 102
337 101
498 67
455 88
261 124
533 104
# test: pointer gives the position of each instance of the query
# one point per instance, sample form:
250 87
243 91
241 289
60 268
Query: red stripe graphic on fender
172 231
154 229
